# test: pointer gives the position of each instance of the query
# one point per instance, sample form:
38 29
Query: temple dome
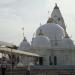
66 43
40 42
24 45
52 31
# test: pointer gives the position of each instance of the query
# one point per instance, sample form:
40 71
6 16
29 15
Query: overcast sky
15 14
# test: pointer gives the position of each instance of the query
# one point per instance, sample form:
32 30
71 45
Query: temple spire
57 17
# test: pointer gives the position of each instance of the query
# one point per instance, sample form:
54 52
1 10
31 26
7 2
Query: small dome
40 42
24 45
66 43
52 31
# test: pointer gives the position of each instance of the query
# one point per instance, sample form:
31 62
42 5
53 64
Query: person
3 65
27 72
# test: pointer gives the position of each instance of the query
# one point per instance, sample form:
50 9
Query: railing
53 67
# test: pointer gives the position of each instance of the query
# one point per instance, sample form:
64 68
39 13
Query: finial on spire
40 33
24 39
66 35
48 13
56 6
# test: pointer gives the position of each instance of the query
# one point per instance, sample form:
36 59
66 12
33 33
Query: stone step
15 71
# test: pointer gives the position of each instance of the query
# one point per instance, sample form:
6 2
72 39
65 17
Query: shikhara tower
58 19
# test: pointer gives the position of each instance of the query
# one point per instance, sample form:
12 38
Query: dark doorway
41 60
55 60
50 61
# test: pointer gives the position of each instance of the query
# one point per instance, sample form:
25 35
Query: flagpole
23 31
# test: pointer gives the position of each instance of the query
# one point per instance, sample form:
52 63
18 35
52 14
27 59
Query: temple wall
53 72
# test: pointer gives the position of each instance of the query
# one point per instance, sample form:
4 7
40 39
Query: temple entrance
41 60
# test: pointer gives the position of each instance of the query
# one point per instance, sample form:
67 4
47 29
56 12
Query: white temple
51 42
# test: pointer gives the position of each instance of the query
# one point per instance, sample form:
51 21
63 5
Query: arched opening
50 61
55 60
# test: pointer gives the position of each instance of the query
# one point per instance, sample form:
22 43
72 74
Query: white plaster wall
59 55
65 57
27 60
73 57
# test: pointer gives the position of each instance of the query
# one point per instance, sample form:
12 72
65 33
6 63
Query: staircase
15 71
